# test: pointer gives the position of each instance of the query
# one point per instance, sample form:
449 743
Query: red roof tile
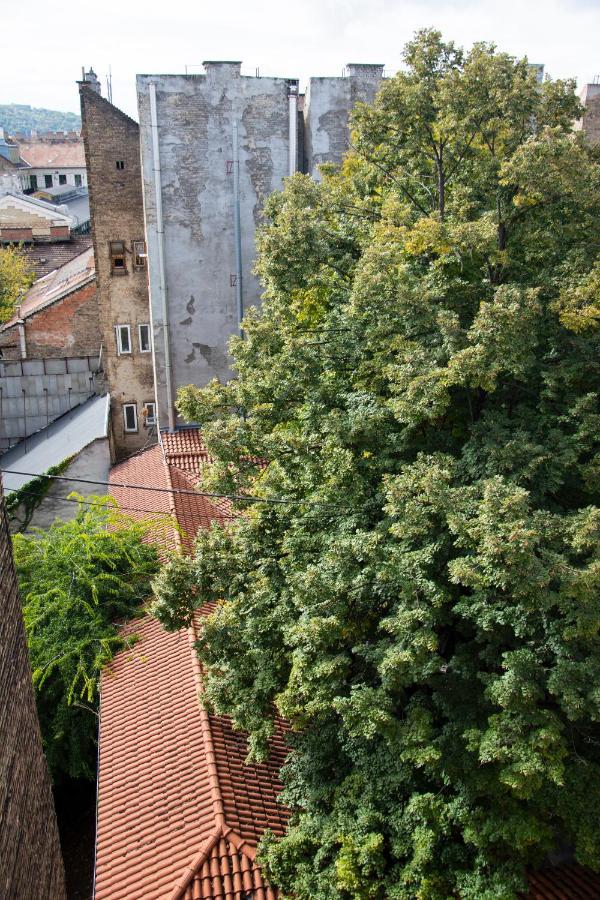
56 154
45 257
174 792
564 882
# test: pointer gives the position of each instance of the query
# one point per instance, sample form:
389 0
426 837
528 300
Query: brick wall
116 212
68 327
30 859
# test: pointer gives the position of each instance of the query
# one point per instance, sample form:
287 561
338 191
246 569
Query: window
117 258
130 416
33 182
149 412
62 179
78 181
120 164
123 333
144 333
139 254
48 180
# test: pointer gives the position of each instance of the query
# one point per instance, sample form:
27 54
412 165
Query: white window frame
150 419
149 348
119 338
135 416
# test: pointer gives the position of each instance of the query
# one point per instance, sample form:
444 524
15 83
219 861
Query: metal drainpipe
160 235
293 132
237 228
21 328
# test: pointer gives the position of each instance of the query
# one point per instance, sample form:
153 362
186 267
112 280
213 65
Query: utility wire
117 507
248 498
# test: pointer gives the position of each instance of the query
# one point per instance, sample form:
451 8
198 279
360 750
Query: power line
117 507
248 498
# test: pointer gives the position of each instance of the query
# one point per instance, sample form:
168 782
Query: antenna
109 84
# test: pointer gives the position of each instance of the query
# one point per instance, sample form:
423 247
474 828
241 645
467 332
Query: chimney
91 80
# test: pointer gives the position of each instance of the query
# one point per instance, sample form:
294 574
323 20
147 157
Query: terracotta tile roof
564 882
45 257
42 154
168 468
179 814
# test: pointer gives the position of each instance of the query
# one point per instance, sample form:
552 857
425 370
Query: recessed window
48 180
117 258
120 164
139 254
144 332
78 181
62 179
130 416
33 183
150 412
123 333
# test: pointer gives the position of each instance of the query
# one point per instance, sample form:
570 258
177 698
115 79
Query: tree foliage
423 381
16 276
78 580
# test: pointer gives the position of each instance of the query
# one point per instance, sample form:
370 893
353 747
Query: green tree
16 276
78 580
423 381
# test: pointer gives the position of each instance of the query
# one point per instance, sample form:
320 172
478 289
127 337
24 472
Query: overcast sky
43 46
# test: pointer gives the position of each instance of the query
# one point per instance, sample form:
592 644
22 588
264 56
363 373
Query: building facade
327 107
112 149
590 121
30 858
213 147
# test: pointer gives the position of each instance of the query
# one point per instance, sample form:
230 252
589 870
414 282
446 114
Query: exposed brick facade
68 327
116 211
30 858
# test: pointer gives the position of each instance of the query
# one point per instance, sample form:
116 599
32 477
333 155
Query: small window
144 332
33 183
78 181
149 412
123 333
62 179
48 180
120 164
139 254
130 416
117 258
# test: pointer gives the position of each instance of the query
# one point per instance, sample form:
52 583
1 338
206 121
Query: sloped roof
173 465
564 882
42 154
175 799
46 257
73 275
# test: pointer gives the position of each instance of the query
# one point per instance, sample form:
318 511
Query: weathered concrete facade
327 108
194 143
112 151
590 122
30 858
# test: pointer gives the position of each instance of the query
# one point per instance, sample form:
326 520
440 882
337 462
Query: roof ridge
220 832
207 735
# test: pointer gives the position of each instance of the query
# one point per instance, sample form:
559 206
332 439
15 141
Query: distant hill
19 117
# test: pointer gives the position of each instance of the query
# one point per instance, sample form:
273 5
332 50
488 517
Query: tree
16 276
78 580
418 592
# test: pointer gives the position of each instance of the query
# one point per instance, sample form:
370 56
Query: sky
40 63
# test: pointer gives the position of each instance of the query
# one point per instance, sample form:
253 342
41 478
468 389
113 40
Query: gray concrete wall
34 392
195 115
93 462
327 106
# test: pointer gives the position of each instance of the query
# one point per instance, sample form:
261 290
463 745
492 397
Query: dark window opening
120 164
117 258
130 416
62 179
78 181
48 180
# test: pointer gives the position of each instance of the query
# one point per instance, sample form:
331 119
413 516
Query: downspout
293 128
160 235
237 228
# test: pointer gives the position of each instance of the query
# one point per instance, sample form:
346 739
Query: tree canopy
422 381
16 276
78 580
